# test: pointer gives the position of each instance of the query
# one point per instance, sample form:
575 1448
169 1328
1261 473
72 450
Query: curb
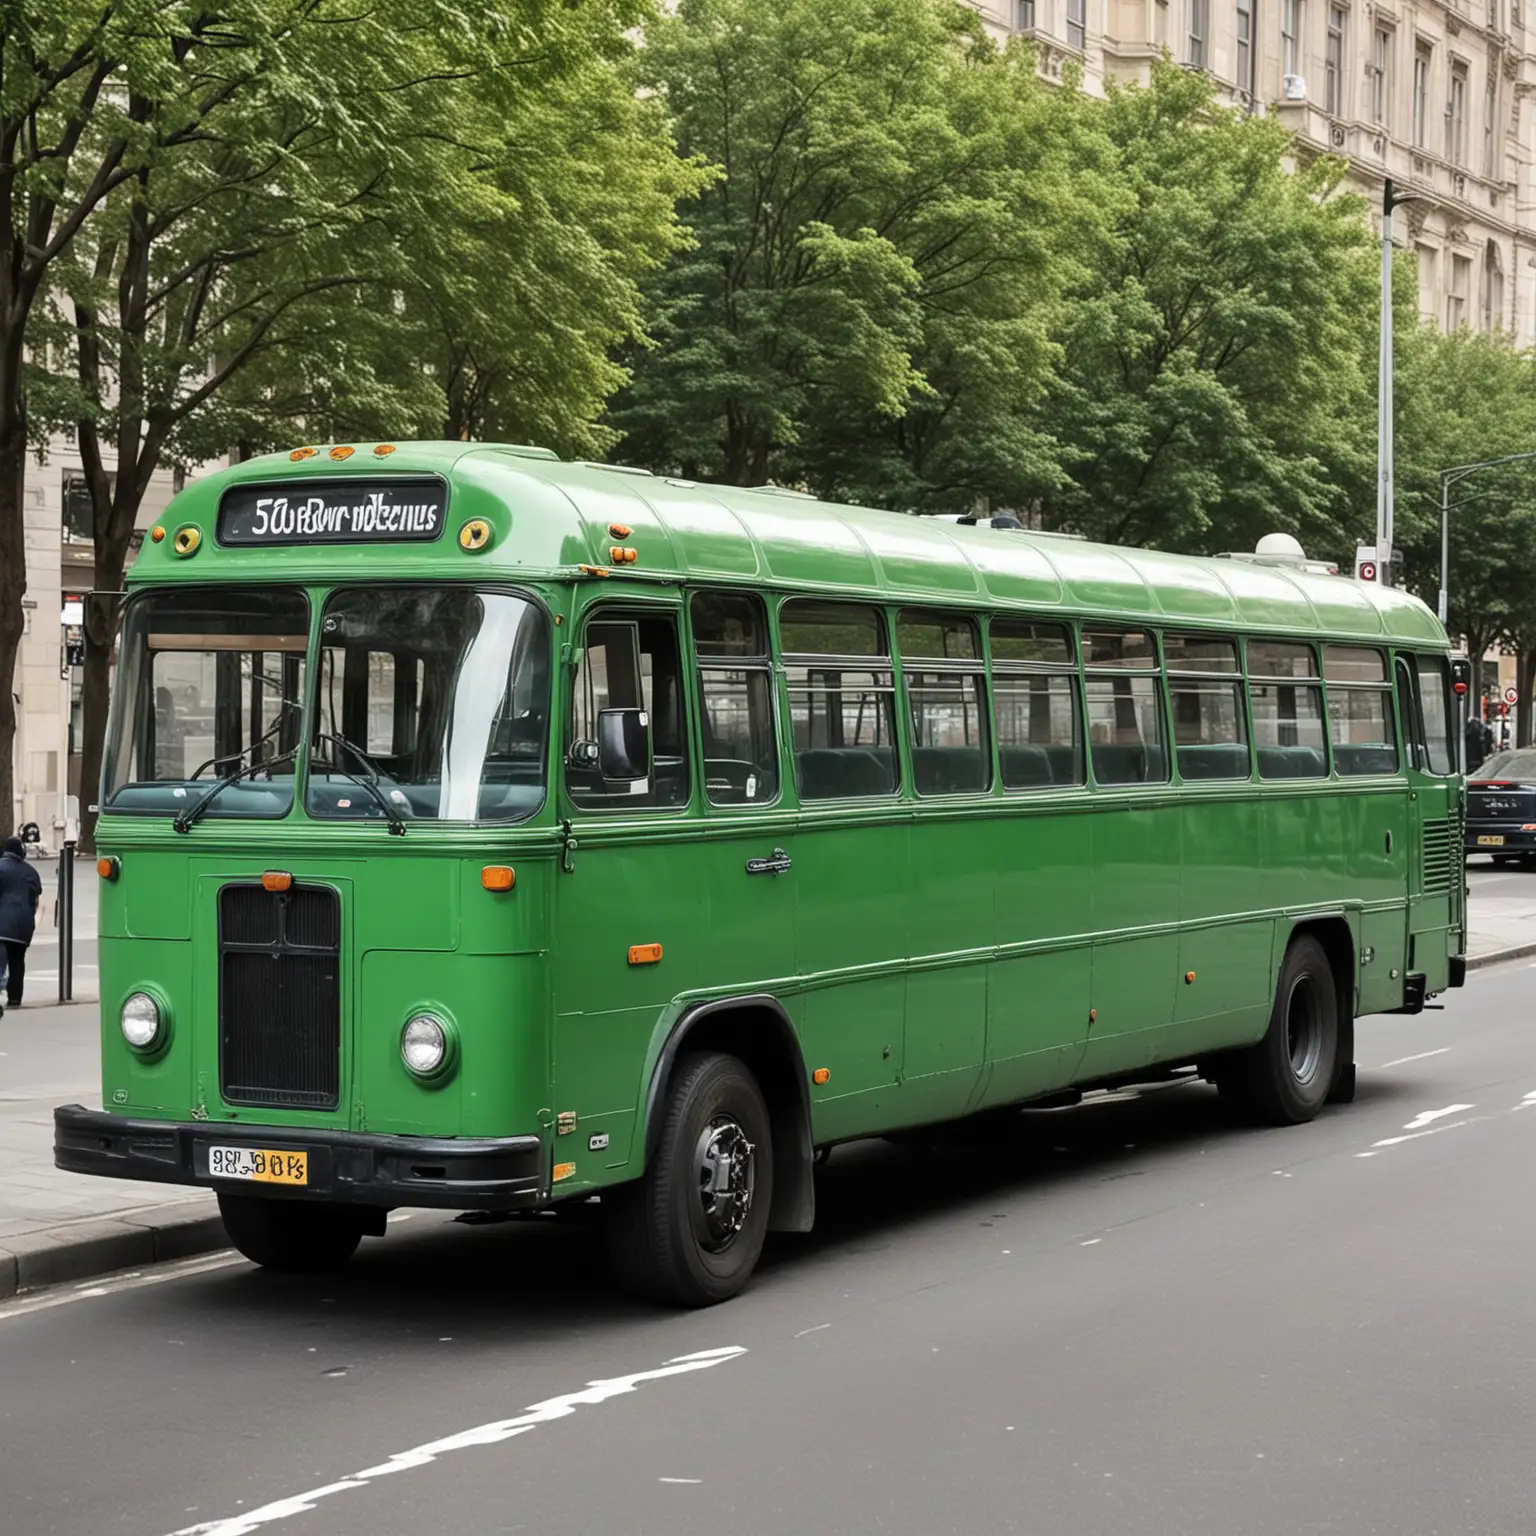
82 1250
1498 956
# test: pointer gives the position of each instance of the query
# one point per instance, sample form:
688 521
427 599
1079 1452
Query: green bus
485 831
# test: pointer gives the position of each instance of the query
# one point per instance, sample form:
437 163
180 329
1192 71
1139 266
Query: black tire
1286 1078
672 1237
294 1237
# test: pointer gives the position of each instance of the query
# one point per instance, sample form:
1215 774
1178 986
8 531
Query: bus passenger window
946 702
629 663
1125 710
1210 733
1359 710
841 699
1434 700
741 751
1034 704
1287 703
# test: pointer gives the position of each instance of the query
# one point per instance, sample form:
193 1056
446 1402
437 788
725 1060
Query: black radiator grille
1438 863
280 996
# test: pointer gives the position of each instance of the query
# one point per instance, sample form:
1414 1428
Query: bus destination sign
333 512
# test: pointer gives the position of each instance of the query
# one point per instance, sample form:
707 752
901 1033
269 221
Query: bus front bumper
502 1173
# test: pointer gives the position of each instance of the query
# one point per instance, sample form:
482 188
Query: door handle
777 863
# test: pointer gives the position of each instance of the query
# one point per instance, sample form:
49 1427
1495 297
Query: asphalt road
1132 1316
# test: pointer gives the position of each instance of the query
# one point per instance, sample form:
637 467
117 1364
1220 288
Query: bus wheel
1286 1077
690 1229
291 1236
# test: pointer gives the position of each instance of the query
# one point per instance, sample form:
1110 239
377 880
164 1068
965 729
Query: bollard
67 923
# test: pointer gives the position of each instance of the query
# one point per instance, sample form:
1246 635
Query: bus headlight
142 1021
428 1046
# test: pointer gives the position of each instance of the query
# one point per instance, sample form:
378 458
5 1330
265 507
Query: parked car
1501 807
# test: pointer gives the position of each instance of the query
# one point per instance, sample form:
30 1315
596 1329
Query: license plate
258 1165
1490 842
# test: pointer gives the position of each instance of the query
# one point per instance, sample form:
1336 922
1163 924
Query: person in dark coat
21 888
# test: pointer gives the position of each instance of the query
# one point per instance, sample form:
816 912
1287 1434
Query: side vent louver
1437 858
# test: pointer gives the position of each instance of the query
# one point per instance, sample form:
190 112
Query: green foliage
1218 378
866 305
1462 399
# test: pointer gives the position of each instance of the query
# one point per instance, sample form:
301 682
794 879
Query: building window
1077 24
1199 25
1422 56
1381 73
1290 36
1333 70
1491 124
1427 265
1493 289
1456 296
1024 15
1456 115
1245 45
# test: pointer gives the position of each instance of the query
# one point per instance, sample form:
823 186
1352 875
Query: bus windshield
431 702
209 682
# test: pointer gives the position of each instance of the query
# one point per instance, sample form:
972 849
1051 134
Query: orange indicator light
644 954
276 880
498 877
157 533
619 530
300 454
621 555
821 1075
384 450
1189 977
107 868
564 1171
341 452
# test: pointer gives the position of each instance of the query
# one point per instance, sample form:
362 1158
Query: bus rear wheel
689 1231
293 1237
1285 1079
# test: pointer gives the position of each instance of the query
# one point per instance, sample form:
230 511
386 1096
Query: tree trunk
13 587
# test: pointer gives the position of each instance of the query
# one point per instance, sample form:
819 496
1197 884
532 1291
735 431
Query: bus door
1435 905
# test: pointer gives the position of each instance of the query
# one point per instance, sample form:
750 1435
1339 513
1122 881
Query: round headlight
140 1021
424 1044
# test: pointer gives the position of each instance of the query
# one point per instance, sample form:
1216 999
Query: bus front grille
280 997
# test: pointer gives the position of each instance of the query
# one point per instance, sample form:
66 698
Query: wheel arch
756 1030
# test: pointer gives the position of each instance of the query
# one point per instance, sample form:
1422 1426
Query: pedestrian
20 891
1477 742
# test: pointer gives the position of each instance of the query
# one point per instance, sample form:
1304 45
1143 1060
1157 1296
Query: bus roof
551 518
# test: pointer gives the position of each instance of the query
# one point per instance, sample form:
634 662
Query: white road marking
1429 1116
1402 1061
1528 1102
1433 1130
679 1479
816 1329
482 1434
1091 1241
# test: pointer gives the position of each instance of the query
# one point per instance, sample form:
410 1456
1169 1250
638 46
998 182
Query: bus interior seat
1362 760
1291 763
1223 760
1026 766
948 770
831 773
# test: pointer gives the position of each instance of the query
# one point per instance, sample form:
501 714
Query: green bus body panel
935 957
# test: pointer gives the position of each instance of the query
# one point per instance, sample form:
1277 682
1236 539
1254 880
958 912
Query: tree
895 211
295 184
1217 381
1464 398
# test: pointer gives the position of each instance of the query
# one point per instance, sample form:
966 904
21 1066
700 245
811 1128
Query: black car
1501 807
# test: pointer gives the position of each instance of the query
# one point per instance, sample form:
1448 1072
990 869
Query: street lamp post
1448 478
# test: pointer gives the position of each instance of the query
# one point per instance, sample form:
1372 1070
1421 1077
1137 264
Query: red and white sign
1511 696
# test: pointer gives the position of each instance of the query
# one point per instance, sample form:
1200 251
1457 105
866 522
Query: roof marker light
341 451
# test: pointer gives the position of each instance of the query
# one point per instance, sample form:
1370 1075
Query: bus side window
741 750
632 662
1435 713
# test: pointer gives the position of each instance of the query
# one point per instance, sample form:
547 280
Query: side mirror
624 744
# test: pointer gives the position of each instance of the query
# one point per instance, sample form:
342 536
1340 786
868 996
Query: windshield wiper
189 818
371 784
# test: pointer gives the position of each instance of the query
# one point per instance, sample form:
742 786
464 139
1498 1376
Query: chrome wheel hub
727 1174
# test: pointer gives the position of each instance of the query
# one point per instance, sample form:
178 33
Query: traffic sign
1365 562
1367 570
1511 696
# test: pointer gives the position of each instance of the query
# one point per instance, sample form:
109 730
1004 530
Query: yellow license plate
258 1165
1490 842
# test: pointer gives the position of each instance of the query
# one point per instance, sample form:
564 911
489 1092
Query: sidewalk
1501 916
60 1226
